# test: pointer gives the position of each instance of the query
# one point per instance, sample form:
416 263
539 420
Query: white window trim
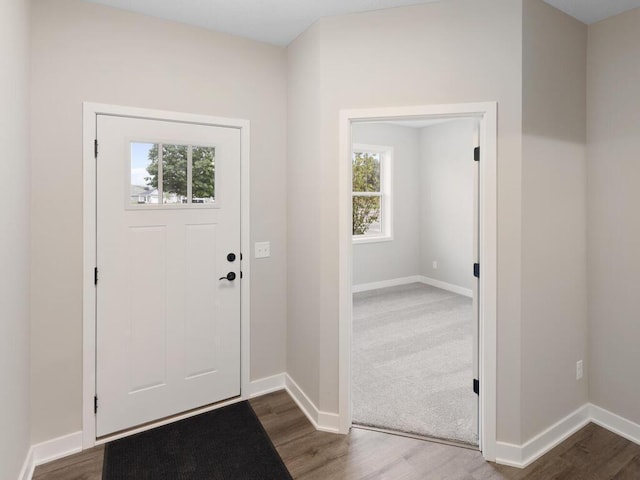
386 192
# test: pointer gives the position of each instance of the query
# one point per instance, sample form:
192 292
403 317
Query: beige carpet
412 362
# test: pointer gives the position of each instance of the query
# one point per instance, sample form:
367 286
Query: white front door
168 247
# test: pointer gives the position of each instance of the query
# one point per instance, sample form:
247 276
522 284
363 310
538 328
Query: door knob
231 276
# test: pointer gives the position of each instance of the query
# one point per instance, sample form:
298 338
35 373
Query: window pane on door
367 215
203 187
366 172
144 170
174 174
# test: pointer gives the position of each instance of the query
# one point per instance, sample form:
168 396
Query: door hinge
95 276
95 404
476 154
240 273
476 270
476 386
95 148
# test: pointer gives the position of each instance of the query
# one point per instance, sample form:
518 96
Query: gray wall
305 226
432 204
554 329
374 262
87 52
614 219
14 236
541 221
447 176
424 57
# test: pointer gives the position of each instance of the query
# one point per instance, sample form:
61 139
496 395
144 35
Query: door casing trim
89 117
487 112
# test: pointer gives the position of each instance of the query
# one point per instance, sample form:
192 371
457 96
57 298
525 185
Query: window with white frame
371 193
168 175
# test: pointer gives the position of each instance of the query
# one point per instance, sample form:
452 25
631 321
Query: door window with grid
172 175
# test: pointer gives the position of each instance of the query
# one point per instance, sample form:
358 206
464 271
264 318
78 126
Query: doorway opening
417 320
414 344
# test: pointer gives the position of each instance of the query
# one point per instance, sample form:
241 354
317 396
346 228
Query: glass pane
367 216
203 175
366 172
174 174
144 171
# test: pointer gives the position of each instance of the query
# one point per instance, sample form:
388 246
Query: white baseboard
394 282
323 421
467 292
615 423
262 386
523 455
27 467
509 454
519 456
50 450
329 422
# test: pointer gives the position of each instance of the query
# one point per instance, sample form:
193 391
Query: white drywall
398 258
14 237
446 200
613 217
304 220
554 329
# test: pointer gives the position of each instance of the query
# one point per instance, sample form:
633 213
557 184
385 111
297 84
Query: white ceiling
272 21
280 21
591 11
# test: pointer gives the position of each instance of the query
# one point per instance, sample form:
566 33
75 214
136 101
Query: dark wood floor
591 454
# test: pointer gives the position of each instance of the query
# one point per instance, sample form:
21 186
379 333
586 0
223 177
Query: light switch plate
263 250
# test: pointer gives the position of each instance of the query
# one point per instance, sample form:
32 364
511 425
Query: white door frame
90 111
487 113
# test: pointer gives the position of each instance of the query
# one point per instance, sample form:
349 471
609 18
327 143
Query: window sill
372 239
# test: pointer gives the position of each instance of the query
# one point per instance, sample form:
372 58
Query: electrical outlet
263 249
434 264
579 370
